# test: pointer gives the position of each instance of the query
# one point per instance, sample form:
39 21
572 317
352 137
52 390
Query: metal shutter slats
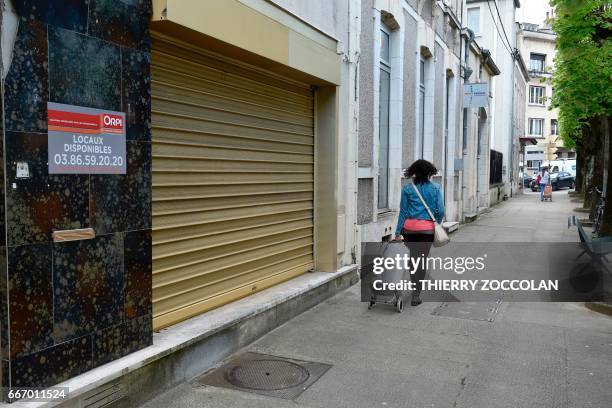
233 180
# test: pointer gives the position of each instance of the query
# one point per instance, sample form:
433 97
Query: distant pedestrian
414 224
543 182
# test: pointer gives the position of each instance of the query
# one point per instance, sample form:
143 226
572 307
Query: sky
532 11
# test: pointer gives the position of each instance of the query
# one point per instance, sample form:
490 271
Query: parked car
526 180
562 179
532 183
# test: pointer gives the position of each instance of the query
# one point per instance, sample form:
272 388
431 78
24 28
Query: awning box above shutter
268 36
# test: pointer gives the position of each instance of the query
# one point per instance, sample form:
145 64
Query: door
233 155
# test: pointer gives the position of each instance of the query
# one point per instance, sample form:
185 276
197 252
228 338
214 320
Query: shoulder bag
440 235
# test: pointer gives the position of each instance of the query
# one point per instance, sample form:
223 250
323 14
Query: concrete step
450 226
470 217
600 307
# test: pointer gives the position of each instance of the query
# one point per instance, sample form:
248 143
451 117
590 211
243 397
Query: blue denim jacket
411 206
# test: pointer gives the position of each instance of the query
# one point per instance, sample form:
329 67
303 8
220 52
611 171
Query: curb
599 307
582 210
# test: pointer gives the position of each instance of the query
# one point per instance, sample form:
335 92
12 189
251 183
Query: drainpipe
467 72
446 121
354 31
512 134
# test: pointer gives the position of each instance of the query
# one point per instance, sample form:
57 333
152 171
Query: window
497 161
537 95
384 47
473 19
535 152
538 62
536 127
554 127
422 108
533 163
384 94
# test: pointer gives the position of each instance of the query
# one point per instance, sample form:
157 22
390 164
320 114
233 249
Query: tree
582 79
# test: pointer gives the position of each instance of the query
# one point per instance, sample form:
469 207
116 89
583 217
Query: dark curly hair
421 170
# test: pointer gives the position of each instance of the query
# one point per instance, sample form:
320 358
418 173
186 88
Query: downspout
355 250
478 153
446 121
467 72
511 147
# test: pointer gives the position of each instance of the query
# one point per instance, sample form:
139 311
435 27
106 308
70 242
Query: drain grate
266 375
483 311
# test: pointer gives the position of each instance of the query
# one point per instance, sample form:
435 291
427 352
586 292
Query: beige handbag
441 237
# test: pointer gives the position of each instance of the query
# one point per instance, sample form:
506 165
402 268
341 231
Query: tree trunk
591 144
606 225
598 165
580 159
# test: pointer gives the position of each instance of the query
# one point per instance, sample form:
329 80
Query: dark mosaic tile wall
76 305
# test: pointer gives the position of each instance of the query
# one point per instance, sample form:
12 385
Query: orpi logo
112 121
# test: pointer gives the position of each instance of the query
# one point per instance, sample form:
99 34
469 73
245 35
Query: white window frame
479 32
422 101
532 120
539 100
385 65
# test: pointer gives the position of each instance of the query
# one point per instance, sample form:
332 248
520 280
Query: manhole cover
267 375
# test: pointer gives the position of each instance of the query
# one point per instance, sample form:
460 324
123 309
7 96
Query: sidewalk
533 355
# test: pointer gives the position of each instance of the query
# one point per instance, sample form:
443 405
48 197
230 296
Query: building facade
409 90
70 305
252 156
493 25
240 167
537 46
479 165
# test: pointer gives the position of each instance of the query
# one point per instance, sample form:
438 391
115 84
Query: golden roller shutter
233 163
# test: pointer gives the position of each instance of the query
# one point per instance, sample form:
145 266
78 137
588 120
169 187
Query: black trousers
419 245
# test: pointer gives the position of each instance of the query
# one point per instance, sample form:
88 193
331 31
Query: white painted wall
341 20
384 223
492 38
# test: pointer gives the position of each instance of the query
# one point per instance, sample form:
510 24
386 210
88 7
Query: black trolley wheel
399 305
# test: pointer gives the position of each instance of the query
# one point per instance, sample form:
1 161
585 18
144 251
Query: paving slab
533 355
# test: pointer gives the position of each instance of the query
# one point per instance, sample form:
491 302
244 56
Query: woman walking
414 224
543 182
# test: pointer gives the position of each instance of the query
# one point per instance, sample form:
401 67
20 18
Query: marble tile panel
26 86
88 285
41 203
83 70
